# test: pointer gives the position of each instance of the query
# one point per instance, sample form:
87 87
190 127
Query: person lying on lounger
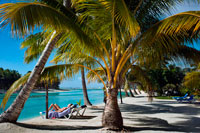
57 108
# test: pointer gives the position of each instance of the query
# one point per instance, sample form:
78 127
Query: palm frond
140 75
92 77
25 17
34 45
61 72
14 87
167 34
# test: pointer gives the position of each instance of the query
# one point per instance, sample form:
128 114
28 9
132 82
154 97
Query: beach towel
54 114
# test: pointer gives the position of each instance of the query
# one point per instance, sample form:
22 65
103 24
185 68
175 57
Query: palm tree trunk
120 89
85 95
132 84
112 118
131 93
126 93
47 101
139 91
13 112
135 91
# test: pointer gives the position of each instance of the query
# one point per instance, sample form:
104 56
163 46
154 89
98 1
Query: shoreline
40 91
138 114
50 90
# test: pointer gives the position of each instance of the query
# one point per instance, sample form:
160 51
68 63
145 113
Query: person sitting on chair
57 108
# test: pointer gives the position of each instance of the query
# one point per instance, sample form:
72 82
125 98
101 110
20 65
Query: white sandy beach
139 115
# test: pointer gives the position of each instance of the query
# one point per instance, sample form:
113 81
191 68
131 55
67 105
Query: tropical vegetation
7 78
191 82
120 35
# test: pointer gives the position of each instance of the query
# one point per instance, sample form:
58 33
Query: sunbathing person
57 108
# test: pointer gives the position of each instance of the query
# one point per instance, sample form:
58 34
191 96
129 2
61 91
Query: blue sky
11 56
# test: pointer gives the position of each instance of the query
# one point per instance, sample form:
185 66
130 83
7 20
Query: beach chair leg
78 113
41 115
83 112
71 114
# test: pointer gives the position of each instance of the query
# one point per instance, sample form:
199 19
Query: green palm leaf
14 87
25 17
34 45
176 30
92 77
50 74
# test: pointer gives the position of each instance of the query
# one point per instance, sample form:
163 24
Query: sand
139 115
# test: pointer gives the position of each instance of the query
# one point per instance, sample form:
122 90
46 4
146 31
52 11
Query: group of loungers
185 98
68 112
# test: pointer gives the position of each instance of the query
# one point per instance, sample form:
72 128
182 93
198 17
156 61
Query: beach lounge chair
190 99
180 98
53 114
79 111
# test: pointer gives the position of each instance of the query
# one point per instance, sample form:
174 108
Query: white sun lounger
73 111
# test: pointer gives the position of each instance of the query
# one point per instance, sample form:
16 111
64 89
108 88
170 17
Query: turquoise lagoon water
36 102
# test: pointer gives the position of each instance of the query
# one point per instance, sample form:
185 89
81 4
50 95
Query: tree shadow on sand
157 124
57 127
190 123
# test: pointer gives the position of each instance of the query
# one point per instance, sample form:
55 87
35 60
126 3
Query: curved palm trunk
131 93
133 86
135 92
85 95
112 118
126 93
13 112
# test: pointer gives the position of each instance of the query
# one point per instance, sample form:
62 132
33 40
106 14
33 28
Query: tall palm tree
34 45
121 39
18 15
85 95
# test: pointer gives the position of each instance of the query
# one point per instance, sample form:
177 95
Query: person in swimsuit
57 108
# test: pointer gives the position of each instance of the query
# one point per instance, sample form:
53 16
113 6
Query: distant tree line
7 77
167 80
51 84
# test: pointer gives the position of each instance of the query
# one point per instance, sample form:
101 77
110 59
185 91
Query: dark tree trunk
120 91
131 93
47 97
104 96
132 84
85 95
139 91
126 93
135 92
13 112
112 118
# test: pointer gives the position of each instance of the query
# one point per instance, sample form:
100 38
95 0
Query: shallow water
36 101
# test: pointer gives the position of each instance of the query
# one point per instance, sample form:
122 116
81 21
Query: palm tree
121 36
34 45
85 95
42 15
